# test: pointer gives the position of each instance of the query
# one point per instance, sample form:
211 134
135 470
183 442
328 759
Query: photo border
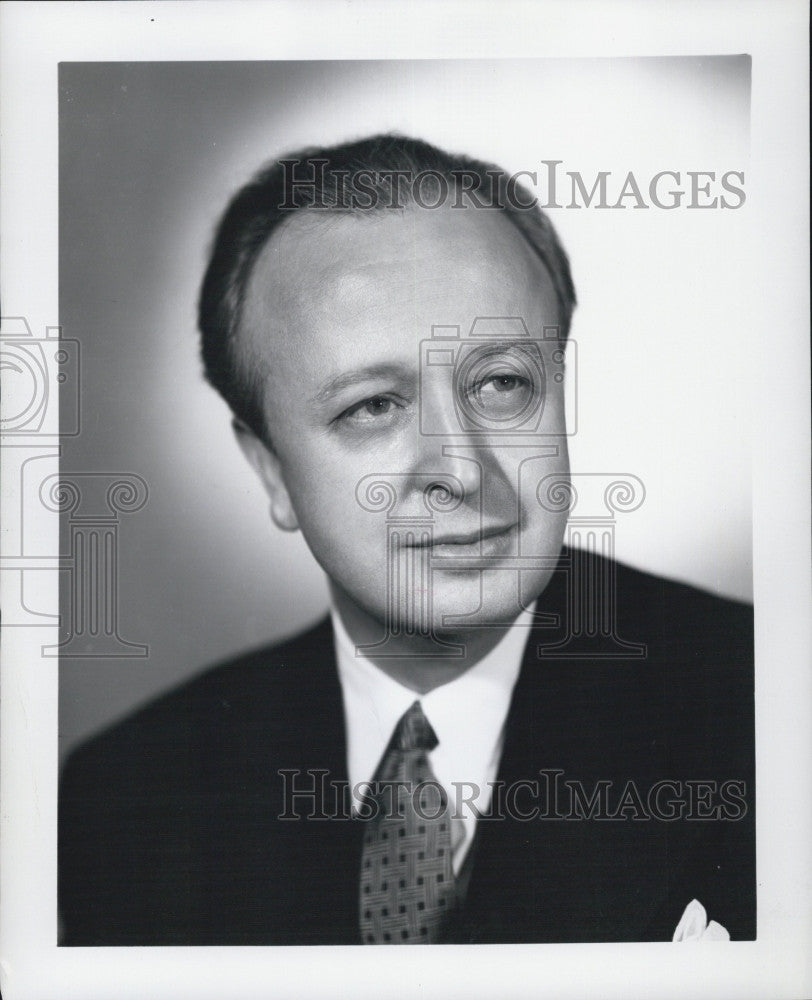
35 38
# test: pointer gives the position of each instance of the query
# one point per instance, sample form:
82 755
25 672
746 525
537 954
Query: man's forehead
441 266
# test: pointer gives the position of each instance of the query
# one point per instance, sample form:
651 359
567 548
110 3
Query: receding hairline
308 224
271 198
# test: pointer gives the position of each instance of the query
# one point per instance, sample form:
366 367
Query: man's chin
489 595
461 602
458 605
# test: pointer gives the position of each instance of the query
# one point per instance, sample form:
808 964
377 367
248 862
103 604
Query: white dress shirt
467 715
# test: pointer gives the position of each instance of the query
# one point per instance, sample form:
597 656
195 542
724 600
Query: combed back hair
379 173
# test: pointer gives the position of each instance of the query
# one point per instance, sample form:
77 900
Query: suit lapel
323 851
555 877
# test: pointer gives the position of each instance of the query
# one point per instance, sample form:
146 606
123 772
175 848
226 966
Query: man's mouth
490 541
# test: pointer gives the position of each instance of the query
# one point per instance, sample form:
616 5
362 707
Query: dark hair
351 177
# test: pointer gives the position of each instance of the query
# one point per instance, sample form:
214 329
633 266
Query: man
494 736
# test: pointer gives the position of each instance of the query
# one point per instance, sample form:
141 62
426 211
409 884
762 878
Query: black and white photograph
400 507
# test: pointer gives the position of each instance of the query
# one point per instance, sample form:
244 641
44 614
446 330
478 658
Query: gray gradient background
149 154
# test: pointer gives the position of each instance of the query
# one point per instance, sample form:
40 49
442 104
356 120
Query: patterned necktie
407 882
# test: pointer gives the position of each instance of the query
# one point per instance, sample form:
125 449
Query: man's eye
369 409
506 383
503 382
502 395
377 405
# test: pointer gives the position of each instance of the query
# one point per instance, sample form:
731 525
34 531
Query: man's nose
443 447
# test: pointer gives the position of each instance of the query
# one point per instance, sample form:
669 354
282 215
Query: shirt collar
467 714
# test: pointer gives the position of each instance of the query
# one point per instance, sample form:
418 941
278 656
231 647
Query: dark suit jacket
169 828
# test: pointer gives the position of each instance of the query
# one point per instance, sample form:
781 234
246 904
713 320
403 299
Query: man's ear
266 465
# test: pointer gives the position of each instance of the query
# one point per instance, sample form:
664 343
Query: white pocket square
694 925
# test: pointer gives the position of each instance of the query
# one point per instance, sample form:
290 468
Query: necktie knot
414 731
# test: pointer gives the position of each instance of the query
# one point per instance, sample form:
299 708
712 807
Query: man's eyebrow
332 387
489 348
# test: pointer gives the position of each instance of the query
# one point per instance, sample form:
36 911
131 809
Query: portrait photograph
405 510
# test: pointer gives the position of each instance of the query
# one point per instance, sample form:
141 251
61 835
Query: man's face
337 313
